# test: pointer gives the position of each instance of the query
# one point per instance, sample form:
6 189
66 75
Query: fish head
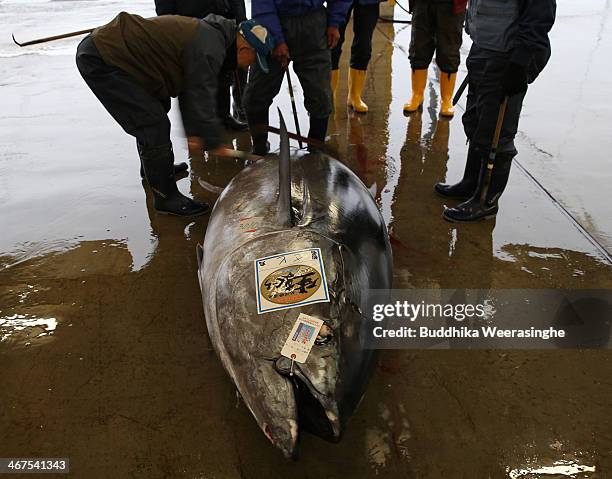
318 395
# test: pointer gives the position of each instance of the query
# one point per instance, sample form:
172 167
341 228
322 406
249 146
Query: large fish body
330 209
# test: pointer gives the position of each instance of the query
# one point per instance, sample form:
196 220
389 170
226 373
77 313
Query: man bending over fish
134 65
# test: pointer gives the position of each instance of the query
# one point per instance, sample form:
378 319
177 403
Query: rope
392 19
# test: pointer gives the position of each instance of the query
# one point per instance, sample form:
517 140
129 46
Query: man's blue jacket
268 13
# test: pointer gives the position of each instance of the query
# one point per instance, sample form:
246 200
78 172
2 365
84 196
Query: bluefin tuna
284 204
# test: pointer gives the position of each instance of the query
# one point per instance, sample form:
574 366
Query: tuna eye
283 365
325 335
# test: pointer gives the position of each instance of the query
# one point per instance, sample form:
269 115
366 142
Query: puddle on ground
20 324
559 469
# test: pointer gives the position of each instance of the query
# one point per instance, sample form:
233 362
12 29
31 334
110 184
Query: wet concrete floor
104 353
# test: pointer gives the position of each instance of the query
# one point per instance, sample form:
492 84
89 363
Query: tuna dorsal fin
285 215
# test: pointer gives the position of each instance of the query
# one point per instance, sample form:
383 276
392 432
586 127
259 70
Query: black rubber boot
157 162
258 125
179 168
465 188
474 209
223 109
317 131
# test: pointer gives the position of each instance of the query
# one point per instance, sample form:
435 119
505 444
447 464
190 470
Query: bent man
510 48
135 65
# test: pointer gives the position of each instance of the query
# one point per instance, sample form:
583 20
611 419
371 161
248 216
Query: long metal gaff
493 152
54 37
295 115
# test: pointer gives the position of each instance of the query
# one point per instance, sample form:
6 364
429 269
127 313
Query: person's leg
312 64
258 96
364 22
463 190
488 103
239 82
422 47
476 63
141 116
485 72
144 117
449 30
136 110
180 169
224 101
336 53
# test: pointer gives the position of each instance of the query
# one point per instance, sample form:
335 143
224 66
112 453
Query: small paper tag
302 337
289 280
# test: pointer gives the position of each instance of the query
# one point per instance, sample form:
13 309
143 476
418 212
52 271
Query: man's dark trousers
485 71
139 113
435 29
364 23
306 37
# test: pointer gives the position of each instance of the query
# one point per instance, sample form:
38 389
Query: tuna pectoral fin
373 190
217 190
199 254
285 215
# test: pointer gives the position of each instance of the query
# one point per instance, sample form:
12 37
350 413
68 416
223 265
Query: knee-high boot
157 162
258 126
464 189
484 204
355 84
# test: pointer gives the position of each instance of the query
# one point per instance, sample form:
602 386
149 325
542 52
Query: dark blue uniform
510 48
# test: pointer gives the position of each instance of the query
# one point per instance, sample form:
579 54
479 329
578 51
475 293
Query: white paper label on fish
291 279
302 337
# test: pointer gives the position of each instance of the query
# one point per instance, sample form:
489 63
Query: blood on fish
268 433
397 243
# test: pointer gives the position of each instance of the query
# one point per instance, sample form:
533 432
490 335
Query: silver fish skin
331 209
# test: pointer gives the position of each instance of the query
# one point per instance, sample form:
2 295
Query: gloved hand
195 145
514 79
333 37
281 53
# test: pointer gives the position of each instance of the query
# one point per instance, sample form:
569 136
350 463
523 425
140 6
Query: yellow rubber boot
419 80
356 81
447 87
335 75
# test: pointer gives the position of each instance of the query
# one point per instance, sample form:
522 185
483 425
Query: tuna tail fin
285 214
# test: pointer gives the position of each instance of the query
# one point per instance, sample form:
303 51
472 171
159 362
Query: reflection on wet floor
103 347
559 468
11 325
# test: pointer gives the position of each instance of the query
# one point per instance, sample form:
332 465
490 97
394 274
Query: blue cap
260 39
